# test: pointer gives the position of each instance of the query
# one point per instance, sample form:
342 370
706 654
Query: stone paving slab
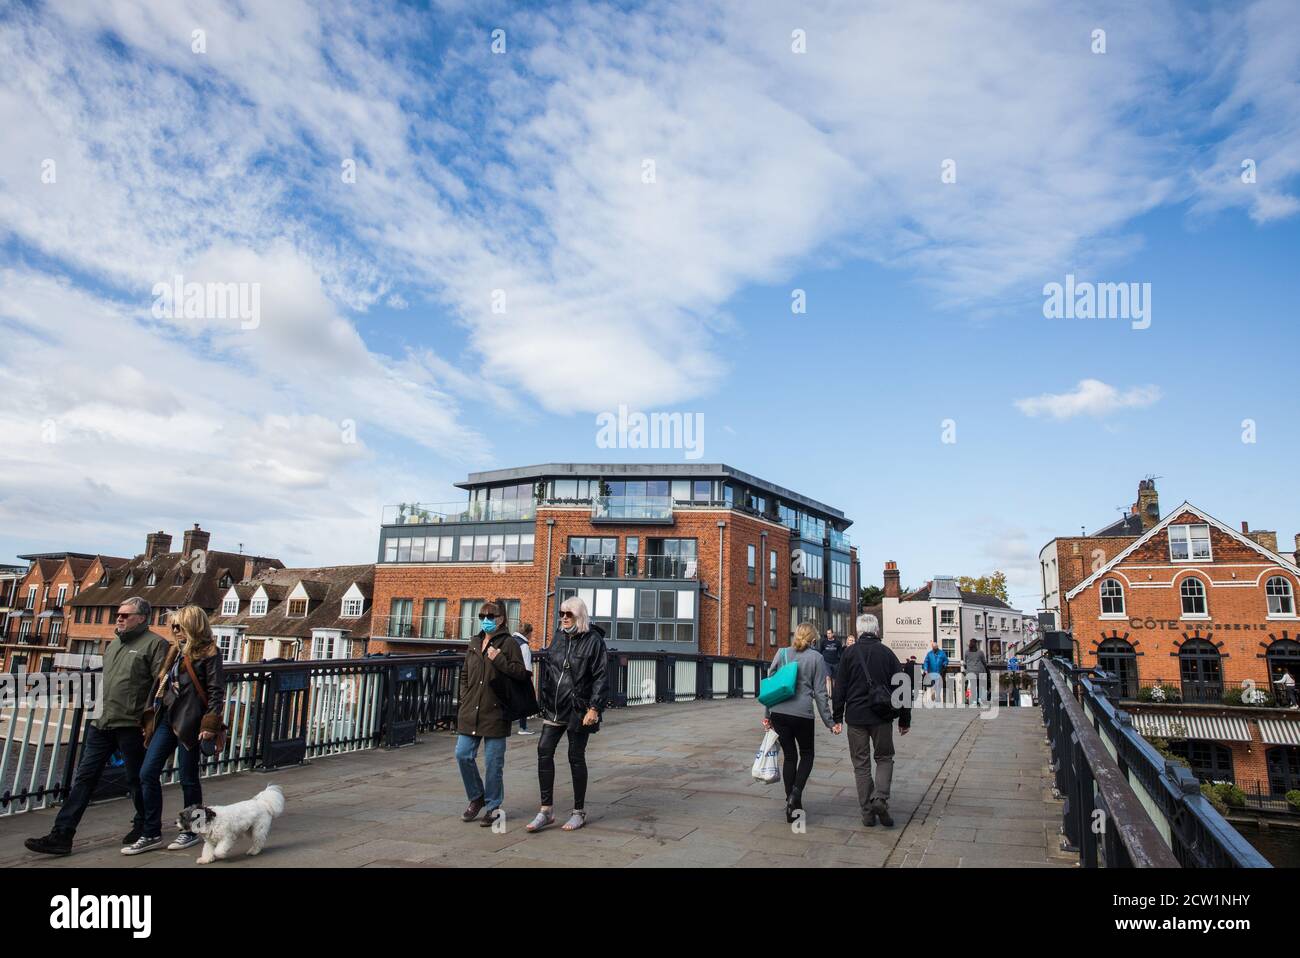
669 787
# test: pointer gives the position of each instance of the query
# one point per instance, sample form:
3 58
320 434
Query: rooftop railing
632 509
435 513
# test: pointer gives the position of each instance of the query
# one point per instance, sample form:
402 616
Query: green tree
870 595
994 584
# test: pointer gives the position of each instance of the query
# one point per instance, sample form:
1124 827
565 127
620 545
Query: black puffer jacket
574 679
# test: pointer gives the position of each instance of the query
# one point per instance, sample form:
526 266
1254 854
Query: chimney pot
156 544
891 580
195 539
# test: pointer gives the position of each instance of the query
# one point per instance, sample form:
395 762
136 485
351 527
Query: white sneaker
526 731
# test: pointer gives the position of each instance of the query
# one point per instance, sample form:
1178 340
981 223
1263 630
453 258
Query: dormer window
225 582
352 608
180 577
297 608
257 606
230 606
153 578
1189 543
103 579
130 579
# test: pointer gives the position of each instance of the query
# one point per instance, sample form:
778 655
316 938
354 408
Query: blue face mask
489 625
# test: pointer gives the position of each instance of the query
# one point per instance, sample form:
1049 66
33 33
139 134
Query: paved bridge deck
669 785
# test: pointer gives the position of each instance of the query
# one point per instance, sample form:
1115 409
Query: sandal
576 820
541 821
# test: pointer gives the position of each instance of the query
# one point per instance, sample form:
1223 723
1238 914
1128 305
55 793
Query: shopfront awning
1279 731
1214 728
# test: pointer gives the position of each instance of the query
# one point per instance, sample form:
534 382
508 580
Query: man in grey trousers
871 690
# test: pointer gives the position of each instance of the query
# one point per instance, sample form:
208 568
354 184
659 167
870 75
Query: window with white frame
1112 597
352 608
1189 543
31 596
63 592
1280 599
226 643
322 646
230 606
257 606
947 616
1193 593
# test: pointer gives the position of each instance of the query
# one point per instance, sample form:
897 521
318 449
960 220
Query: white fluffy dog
222 825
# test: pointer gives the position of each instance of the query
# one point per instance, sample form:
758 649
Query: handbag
779 686
517 698
879 697
767 763
219 743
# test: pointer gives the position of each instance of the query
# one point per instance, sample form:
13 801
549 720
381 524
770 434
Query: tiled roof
946 589
168 591
325 589
1130 525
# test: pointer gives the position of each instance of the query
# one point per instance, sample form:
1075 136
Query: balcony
437 513
650 510
628 567
1208 693
591 566
411 628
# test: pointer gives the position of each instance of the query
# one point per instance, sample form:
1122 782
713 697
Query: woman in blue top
793 718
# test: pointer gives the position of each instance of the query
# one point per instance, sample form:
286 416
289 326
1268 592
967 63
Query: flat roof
645 470
58 555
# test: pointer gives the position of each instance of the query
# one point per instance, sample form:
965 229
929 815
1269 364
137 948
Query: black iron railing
1078 713
282 713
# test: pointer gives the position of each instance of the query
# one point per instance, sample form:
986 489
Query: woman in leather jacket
571 696
183 718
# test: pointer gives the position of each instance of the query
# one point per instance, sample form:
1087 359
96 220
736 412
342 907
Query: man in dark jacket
131 663
493 652
831 650
871 690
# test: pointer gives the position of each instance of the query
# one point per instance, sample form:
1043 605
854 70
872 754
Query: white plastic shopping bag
767 763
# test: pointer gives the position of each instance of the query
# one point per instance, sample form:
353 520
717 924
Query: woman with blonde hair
792 719
187 706
571 697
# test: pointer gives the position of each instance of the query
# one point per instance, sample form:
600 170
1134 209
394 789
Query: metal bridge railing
283 713
1152 811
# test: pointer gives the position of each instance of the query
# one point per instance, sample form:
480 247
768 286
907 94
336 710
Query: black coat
480 713
186 713
870 662
573 679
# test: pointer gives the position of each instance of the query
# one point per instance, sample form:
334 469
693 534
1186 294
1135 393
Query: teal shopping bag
778 687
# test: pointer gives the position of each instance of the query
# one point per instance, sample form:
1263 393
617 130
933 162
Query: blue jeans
495 757
161 747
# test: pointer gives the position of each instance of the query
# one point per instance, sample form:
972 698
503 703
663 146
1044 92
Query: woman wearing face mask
492 652
571 696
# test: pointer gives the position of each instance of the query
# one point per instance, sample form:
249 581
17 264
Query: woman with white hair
571 696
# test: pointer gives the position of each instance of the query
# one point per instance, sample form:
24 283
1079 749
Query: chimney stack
1148 504
891 577
1297 548
1264 537
195 538
157 544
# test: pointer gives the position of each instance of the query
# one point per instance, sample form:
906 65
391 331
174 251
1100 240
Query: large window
593 546
1210 761
1201 669
840 586
1193 594
399 617
670 558
1283 658
1112 597
1280 599
1117 657
1283 768
469 626
433 619
1189 543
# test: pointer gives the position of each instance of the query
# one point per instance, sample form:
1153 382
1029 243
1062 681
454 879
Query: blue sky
524 171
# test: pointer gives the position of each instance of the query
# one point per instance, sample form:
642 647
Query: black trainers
132 836
490 818
57 842
885 818
869 819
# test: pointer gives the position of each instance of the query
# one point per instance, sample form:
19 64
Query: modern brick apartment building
35 628
169 580
686 557
321 613
1194 618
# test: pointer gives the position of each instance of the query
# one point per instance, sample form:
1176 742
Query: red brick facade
47 635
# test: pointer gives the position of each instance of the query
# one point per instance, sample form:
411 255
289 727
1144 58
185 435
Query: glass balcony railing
632 508
433 513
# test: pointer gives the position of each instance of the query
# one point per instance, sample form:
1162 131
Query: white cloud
1091 397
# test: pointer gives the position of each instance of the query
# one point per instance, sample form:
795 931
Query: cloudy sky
473 227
